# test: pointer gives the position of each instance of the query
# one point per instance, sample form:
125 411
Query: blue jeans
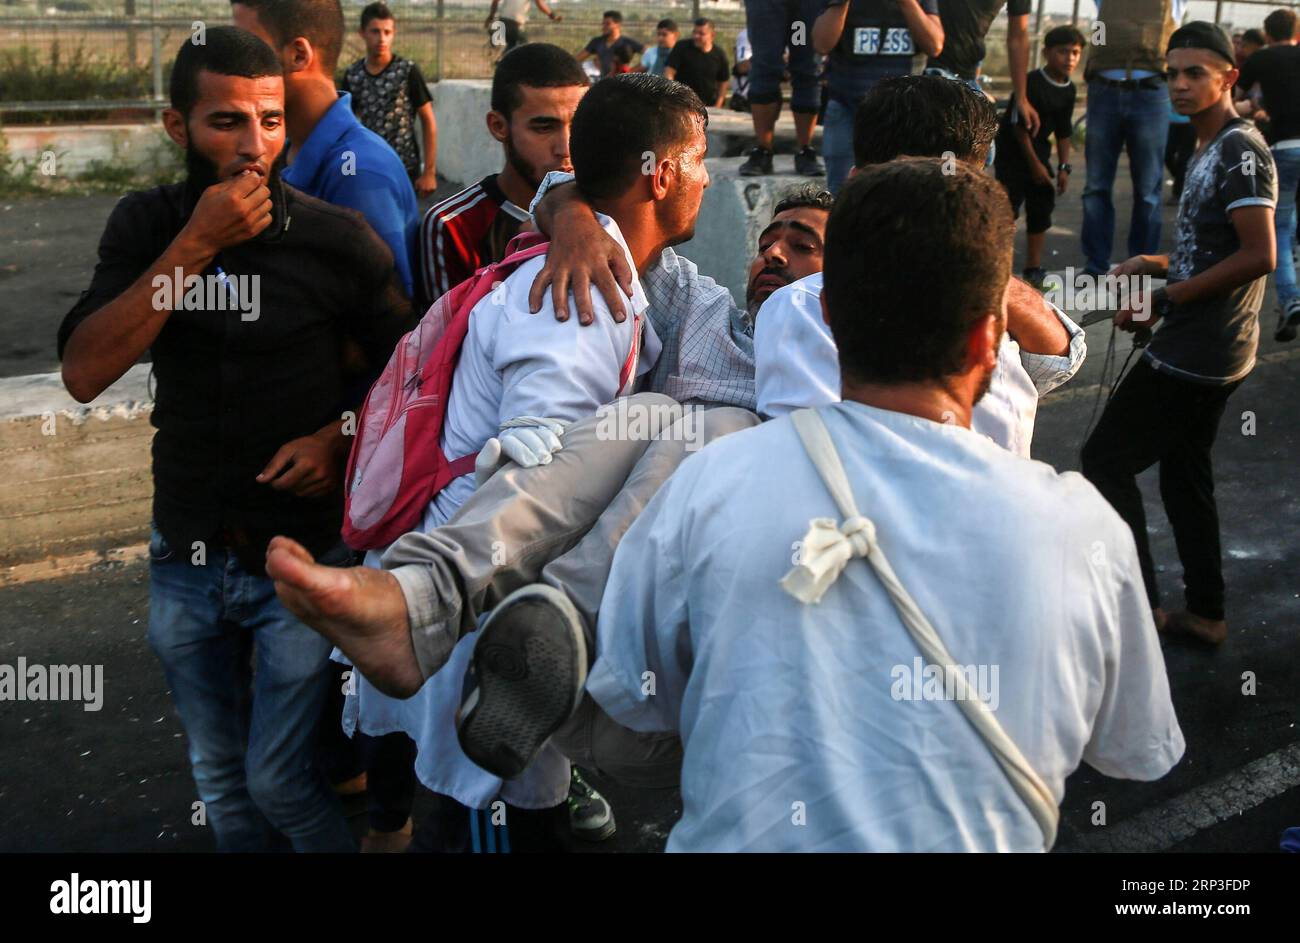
1284 220
837 144
770 24
1136 121
251 733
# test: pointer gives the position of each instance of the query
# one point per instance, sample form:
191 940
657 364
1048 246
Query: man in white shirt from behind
813 726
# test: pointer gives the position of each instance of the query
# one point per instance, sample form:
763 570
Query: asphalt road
117 779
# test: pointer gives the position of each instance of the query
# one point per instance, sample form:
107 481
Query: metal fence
101 63
110 58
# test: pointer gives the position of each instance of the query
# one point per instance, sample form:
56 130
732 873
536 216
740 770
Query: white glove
527 441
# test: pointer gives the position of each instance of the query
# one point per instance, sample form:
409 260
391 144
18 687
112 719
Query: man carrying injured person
541 516
521 377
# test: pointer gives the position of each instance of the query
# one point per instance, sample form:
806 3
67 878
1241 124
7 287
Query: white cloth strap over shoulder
825 552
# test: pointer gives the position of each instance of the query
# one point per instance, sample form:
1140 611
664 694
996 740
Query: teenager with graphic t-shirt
390 96
1168 408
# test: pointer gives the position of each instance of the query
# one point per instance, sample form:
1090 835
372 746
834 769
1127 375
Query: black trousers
1155 417
514 33
389 762
452 828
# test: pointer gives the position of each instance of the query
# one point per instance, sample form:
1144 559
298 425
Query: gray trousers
559 524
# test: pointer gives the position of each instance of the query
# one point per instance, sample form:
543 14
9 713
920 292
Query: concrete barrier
77 476
466 152
78 148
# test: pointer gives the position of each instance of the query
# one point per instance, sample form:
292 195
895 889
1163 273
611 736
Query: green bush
75 76
24 77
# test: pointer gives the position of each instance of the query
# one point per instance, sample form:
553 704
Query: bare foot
1190 625
359 609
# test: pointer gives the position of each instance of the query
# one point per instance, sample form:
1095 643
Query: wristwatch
1065 168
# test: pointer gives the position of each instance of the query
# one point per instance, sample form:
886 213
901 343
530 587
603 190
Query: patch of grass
17 176
68 76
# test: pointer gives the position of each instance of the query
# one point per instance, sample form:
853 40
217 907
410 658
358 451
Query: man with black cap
1168 408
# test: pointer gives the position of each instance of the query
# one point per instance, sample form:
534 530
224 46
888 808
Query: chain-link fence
91 60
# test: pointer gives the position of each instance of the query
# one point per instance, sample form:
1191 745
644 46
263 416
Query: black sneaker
1035 277
806 164
525 679
758 163
590 817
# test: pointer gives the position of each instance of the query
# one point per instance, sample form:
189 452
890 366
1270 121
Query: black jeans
1155 417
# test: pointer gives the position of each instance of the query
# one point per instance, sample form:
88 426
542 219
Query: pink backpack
396 466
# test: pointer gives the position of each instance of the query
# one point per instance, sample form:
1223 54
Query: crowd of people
499 404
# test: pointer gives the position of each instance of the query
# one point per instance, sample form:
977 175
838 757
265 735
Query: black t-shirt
1055 106
230 390
965 24
1277 70
1214 340
604 51
387 104
704 72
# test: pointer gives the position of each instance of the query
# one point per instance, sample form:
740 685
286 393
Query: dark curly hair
923 116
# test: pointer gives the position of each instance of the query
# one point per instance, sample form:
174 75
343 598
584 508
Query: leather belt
1150 82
